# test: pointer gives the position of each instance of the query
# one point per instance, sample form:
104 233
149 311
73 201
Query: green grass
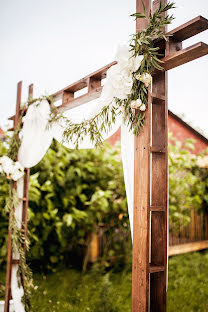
69 290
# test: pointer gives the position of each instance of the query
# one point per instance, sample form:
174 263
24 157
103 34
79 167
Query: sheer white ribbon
36 137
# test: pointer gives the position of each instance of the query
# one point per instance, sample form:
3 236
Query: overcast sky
53 43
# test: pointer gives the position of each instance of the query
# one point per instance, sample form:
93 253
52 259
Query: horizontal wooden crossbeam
189 29
93 81
81 99
84 82
185 55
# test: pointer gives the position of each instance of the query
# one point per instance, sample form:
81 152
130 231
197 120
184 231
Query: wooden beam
81 100
184 56
189 29
83 83
141 214
171 61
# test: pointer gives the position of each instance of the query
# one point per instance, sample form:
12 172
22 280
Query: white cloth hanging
17 292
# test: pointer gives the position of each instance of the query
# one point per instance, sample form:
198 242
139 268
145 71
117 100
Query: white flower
136 104
142 108
136 62
11 168
7 164
18 171
118 83
126 60
145 78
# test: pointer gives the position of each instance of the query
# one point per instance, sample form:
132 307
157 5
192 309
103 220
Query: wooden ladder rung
154 149
157 208
158 98
23 198
156 268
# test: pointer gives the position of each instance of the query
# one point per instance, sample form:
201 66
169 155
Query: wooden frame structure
149 268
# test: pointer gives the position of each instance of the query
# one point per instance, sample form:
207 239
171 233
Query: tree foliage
73 192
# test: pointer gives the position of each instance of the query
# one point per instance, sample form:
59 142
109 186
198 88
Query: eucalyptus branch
93 127
18 241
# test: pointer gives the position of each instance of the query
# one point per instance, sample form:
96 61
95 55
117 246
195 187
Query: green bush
73 192
188 183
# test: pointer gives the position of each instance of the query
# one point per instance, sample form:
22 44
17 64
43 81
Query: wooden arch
149 268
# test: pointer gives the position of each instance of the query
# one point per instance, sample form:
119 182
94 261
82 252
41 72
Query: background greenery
73 192
69 290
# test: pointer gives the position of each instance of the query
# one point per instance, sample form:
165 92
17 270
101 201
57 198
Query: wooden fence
192 237
196 230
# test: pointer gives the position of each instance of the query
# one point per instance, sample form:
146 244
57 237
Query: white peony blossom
18 171
145 78
7 164
142 108
119 83
119 79
126 60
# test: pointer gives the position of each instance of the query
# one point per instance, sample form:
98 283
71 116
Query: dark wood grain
185 55
189 29
140 261
159 191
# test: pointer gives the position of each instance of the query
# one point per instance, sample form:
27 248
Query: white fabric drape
17 292
36 138
127 153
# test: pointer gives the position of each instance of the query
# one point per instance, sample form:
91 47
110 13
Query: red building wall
180 130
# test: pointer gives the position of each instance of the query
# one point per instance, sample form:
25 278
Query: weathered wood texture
159 186
9 250
141 214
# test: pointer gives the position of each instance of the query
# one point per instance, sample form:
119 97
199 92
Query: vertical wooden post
140 261
150 197
9 252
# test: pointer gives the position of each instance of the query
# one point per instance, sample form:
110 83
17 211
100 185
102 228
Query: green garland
142 43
